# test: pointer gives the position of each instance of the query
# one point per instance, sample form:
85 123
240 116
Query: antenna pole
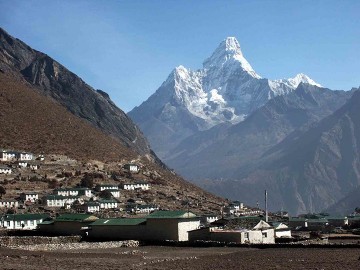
266 208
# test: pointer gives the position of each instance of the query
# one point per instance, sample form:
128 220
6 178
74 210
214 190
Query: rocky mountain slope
54 80
40 123
32 122
310 170
220 125
347 204
235 149
225 90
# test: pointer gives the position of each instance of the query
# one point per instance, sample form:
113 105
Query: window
31 223
246 235
264 234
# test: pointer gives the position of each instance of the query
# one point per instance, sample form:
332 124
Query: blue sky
128 48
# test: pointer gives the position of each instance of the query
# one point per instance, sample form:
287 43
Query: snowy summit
225 90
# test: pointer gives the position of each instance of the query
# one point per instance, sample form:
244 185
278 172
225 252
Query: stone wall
36 240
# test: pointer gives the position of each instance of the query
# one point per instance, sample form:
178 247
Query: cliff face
54 80
32 122
308 171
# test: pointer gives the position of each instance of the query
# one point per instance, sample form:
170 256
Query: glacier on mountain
227 88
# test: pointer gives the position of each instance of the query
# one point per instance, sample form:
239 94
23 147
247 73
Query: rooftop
21 217
171 214
118 222
76 217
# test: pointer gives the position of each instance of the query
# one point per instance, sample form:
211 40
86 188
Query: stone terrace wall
36 240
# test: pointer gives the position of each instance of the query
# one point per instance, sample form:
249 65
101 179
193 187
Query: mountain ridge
225 90
54 80
314 170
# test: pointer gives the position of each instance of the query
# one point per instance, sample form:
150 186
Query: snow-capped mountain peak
225 90
303 78
228 54
299 78
231 44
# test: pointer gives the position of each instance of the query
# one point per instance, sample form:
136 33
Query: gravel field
155 257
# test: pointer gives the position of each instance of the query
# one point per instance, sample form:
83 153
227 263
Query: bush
87 181
105 194
2 191
53 184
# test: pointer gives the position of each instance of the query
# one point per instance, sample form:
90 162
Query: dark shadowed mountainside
309 171
229 151
54 80
32 122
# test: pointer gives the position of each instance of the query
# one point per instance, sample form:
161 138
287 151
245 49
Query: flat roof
118 222
171 214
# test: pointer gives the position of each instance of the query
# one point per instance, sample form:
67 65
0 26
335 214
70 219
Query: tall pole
266 208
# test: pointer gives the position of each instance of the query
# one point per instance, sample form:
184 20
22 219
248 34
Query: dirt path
183 258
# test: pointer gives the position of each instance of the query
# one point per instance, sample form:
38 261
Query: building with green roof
23 221
67 224
171 215
118 229
158 226
171 225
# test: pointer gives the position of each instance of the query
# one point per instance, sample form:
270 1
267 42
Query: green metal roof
297 219
250 218
76 217
47 222
354 218
23 217
92 204
108 201
336 218
323 220
118 222
140 206
72 189
60 197
171 214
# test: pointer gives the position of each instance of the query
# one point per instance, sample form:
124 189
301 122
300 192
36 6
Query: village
55 196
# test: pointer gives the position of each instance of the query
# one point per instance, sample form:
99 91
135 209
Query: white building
108 204
281 230
113 189
29 196
22 164
5 170
61 201
9 204
141 209
73 192
115 193
171 225
7 155
262 233
237 205
132 168
24 156
102 187
267 232
137 185
12 155
90 207
208 218
34 166
22 221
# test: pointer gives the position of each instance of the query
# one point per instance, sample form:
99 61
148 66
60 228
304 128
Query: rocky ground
166 190
151 257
